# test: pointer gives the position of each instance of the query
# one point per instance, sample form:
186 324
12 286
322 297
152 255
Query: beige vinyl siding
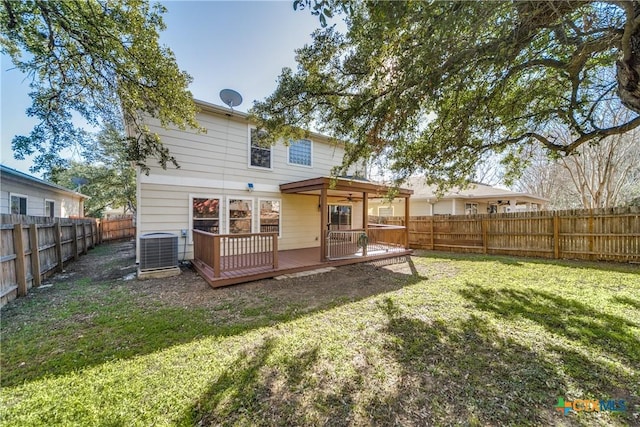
63 206
165 208
223 153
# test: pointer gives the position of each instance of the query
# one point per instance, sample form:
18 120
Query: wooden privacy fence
591 234
117 228
35 247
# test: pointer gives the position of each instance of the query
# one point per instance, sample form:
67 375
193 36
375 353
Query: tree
434 86
99 60
108 177
598 175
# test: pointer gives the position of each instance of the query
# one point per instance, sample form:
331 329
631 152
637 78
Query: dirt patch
114 263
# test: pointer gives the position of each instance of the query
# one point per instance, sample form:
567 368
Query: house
476 199
24 194
243 211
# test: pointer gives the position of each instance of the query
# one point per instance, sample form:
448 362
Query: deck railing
355 242
227 253
385 237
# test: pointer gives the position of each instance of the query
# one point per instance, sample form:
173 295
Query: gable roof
474 191
239 116
7 172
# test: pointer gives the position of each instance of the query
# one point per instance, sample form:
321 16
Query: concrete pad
158 274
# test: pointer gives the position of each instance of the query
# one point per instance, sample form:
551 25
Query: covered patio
236 258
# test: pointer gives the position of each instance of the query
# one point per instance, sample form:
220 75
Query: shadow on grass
105 322
463 373
572 319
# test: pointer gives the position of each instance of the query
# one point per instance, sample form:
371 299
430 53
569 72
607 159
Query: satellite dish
230 97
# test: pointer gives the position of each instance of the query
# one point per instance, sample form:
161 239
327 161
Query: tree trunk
628 70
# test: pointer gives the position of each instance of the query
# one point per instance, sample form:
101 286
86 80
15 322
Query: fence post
58 236
433 225
556 236
35 254
21 272
485 235
84 239
74 235
591 254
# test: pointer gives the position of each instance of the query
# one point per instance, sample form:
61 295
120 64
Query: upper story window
259 152
49 208
18 204
300 152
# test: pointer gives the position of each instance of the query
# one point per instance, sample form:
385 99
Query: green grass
472 341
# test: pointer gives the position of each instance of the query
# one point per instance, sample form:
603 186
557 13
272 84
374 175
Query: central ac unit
158 251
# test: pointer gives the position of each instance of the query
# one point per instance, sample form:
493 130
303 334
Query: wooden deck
290 261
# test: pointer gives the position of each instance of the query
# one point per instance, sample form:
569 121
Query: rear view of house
251 205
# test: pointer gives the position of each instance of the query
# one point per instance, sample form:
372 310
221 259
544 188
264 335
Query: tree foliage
101 61
432 86
106 175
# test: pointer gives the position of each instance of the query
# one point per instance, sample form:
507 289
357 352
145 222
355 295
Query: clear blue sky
241 45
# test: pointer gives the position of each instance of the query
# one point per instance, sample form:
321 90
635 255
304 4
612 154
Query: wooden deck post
323 224
21 272
275 251
216 256
58 236
365 220
35 254
406 222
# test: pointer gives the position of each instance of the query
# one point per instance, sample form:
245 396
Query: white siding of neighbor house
216 163
64 206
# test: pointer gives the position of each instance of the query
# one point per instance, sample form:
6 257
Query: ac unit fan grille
158 251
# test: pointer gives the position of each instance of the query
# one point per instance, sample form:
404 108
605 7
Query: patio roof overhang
342 187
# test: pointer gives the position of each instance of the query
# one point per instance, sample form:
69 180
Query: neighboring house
229 185
476 199
24 194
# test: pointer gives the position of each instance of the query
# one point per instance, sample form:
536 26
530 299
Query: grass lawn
465 340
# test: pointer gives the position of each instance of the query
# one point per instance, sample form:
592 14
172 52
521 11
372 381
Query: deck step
305 273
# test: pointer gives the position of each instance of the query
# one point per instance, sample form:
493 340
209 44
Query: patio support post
323 223
406 222
365 219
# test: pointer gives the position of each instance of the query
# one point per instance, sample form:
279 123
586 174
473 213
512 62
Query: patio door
340 217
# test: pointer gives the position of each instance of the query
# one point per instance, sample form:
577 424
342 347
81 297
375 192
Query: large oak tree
101 61
432 86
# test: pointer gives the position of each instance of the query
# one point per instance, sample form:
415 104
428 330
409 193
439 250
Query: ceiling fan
349 199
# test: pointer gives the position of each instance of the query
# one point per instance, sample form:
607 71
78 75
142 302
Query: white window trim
470 204
297 164
350 204
249 165
204 196
54 207
228 217
24 196
387 207
267 199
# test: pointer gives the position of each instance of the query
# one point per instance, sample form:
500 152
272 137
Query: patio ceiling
341 187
